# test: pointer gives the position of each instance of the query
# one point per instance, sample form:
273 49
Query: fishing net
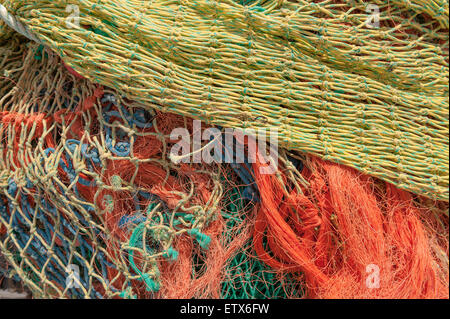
87 188
373 97
93 204
246 276
90 171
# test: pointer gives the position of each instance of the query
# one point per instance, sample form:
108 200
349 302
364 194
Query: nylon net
93 204
87 187
373 97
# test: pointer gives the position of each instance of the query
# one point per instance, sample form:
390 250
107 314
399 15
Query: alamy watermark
373 20
226 146
73 278
373 279
73 20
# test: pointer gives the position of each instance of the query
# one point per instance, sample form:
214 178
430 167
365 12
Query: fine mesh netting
373 97
94 204
88 177
91 190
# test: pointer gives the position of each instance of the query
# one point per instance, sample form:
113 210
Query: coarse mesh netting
373 97
86 183
92 204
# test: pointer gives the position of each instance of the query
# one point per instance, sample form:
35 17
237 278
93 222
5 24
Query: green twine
151 284
246 277
38 53
127 294
202 239
171 254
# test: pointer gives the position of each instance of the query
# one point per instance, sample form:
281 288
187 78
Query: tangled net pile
87 183
375 99
93 187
